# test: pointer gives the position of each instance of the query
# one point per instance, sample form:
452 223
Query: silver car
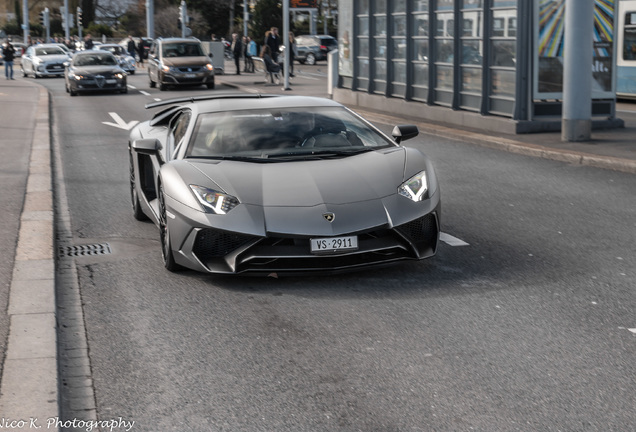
44 60
126 61
265 184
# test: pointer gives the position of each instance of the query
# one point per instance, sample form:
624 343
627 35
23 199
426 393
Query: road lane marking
120 123
451 241
143 92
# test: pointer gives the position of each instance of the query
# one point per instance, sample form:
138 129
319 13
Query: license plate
189 75
333 244
111 81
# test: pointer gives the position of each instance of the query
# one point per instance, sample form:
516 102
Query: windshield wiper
312 153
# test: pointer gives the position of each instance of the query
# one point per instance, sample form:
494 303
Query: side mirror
403 132
211 55
147 146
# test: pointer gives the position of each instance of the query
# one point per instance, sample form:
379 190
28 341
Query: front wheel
311 59
134 195
164 233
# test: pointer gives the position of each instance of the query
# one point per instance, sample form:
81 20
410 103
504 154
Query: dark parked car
313 48
178 62
253 183
90 71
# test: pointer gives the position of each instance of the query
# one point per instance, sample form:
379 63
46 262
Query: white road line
143 92
131 87
451 241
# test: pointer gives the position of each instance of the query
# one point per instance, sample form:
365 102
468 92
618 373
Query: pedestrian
273 68
237 50
292 53
131 47
251 51
88 42
273 41
244 53
8 54
142 52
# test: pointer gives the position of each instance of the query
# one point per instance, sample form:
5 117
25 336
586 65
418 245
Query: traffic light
79 16
44 17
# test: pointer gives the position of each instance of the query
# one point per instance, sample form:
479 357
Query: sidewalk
28 317
29 391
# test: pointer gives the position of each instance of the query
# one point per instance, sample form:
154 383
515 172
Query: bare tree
111 11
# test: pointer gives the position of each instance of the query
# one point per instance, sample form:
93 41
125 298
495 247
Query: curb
29 392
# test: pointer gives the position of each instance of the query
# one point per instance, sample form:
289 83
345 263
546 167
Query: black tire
72 92
311 59
162 87
151 82
210 86
134 197
164 234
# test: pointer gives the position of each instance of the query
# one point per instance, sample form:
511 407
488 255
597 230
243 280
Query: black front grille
422 232
419 230
55 68
212 243
190 69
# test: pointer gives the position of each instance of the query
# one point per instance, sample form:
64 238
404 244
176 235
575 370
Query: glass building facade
470 56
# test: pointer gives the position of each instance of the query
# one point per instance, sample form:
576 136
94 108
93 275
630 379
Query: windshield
49 51
94 59
182 49
284 133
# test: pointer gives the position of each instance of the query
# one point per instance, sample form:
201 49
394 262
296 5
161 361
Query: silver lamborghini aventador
243 183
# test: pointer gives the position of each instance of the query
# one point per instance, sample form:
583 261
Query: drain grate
86 250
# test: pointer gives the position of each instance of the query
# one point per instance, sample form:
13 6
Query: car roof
242 101
93 51
177 40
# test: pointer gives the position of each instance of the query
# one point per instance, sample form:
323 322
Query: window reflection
503 83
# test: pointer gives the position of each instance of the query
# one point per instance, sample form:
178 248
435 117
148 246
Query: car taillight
323 47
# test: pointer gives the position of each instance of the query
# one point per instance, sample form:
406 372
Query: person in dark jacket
132 47
88 42
273 41
237 51
142 53
8 54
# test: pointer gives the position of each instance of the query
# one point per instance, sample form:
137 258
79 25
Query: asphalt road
527 325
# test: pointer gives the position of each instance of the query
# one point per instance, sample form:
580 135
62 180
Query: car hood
95 70
364 177
185 61
53 58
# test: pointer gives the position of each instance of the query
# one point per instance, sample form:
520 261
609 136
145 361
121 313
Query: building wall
459 54
468 62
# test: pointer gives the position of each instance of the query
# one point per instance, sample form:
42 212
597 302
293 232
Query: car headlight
76 77
119 76
415 188
216 201
209 67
